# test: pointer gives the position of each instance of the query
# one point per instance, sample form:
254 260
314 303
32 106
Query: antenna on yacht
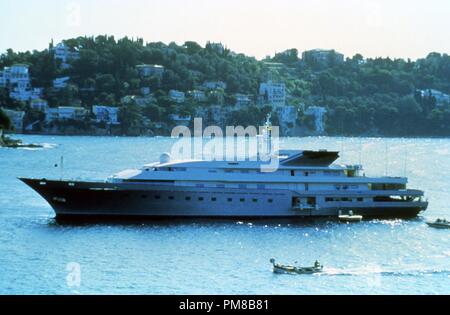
406 162
342 140
386 158
360 151
268 134
61 166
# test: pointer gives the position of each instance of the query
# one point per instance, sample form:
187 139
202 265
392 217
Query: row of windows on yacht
213 199
338 187
248 171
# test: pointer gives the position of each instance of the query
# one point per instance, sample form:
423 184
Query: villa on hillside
106 114
65 113
150 70
60 83
65 55
182 120
213 85
243 100
17 80
39 105
441 98
177 96
197 95
272 93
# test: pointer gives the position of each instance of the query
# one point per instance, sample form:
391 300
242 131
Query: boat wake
371 271
39 146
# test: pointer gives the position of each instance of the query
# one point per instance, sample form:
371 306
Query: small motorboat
287 269
440 224
350 217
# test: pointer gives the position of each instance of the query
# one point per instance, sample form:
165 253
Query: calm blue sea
219 257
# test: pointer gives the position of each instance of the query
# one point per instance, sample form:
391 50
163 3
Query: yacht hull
165 200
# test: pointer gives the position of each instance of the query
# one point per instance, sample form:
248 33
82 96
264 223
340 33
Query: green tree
5 122
131 119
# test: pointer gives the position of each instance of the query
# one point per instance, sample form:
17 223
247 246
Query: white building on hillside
441 98
213 85
4 77
243 100
60 83
39 104
177 96
198 95
16 76
150 70
106 114
75 113
182 120
19 76
145 91
65 113
273 94
17 79
25 95
65 54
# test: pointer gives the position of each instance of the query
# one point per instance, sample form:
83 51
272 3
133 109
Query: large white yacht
306 184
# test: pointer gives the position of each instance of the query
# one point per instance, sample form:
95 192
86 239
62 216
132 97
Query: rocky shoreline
7 142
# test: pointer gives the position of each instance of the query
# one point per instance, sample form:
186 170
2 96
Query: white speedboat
350 217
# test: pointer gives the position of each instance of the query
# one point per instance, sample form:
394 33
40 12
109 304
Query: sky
382 28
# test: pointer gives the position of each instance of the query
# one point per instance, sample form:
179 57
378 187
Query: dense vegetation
363 96
5 125
5 122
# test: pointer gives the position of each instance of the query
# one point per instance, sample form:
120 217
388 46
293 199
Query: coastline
298 132
7 142
106 135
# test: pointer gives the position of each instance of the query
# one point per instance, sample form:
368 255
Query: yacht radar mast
267 133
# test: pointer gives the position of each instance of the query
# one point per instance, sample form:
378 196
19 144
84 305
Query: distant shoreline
7 142
168 136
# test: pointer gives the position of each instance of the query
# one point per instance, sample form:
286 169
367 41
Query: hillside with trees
363 96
